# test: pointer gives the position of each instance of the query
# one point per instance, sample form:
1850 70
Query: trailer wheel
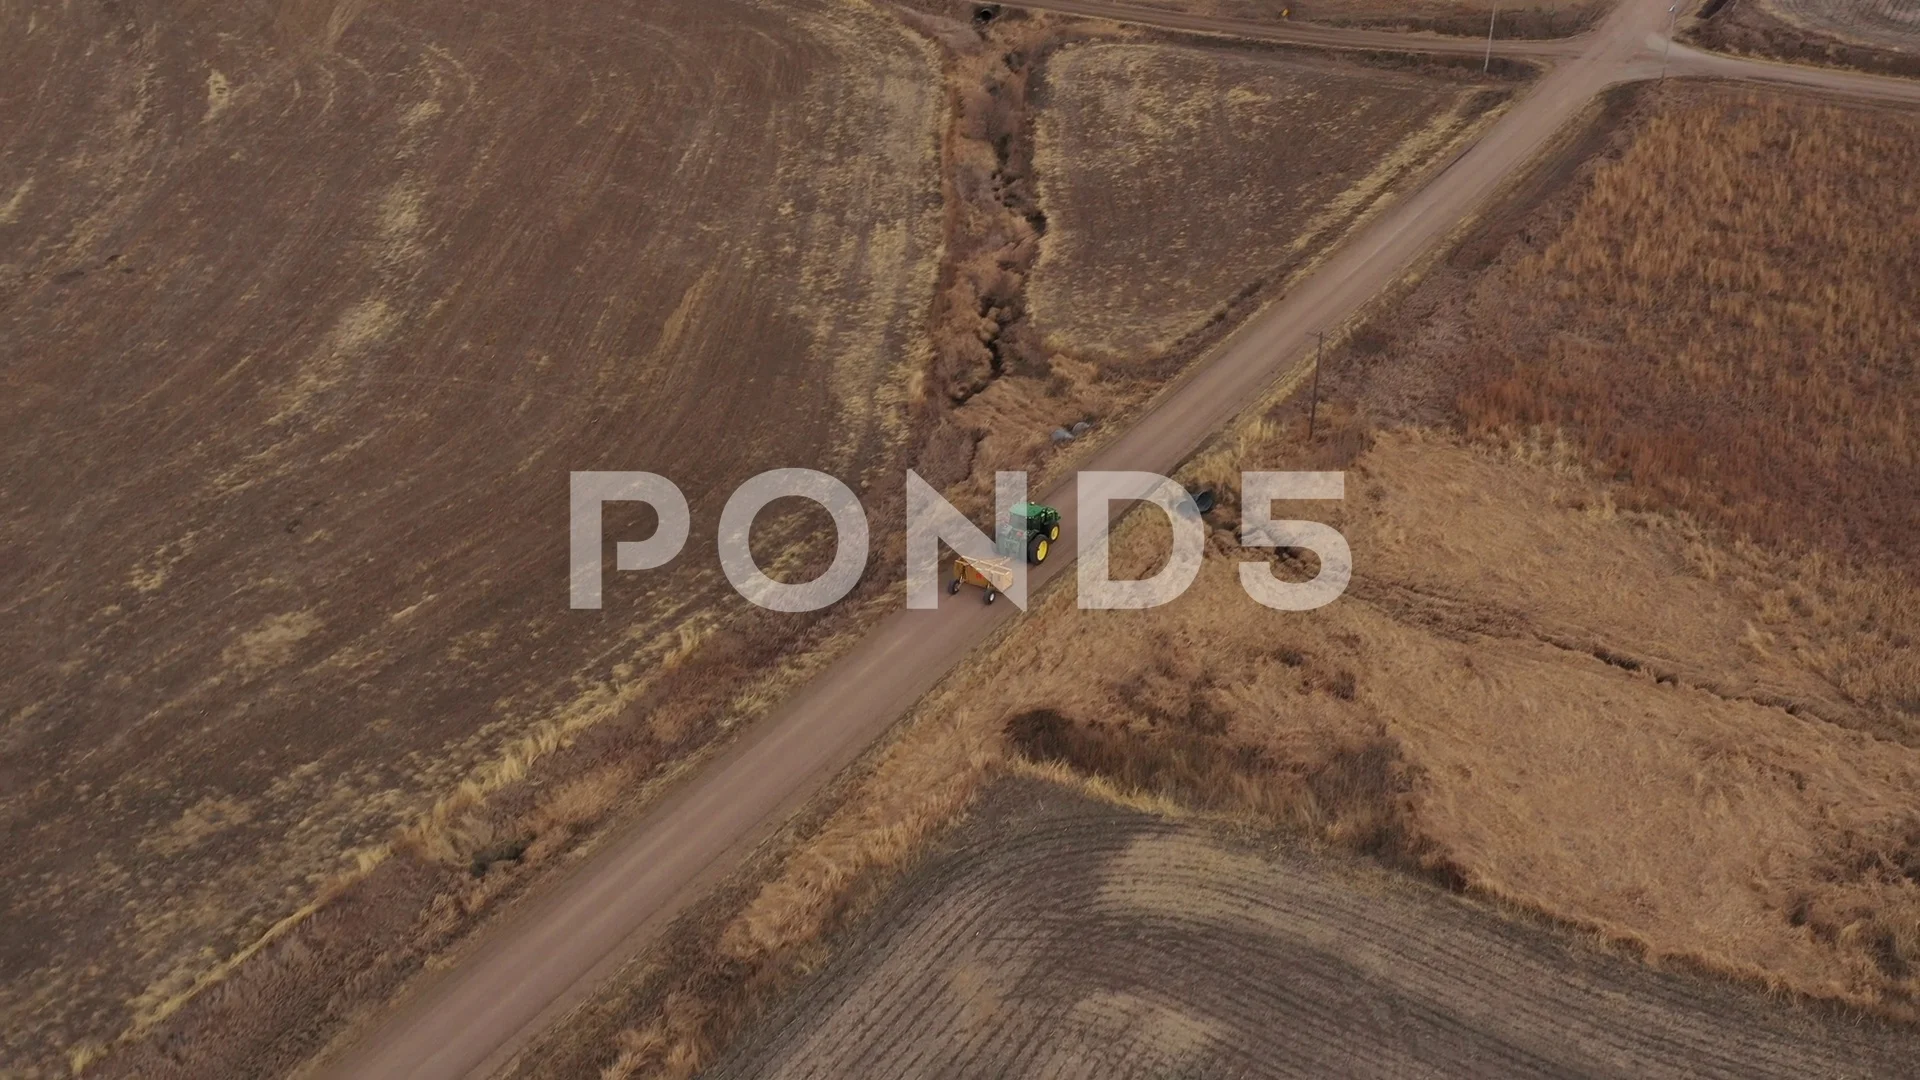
953 587
992 596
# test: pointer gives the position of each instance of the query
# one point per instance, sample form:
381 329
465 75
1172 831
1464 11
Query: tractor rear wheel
1037 550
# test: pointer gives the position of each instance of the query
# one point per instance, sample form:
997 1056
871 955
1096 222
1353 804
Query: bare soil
1053 935
311 308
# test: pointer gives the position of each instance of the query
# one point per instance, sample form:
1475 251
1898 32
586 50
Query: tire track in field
1057 937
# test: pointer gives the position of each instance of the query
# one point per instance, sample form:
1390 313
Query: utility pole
1673 16
1313 409
1488 65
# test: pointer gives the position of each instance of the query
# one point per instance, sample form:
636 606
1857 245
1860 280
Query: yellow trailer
993 575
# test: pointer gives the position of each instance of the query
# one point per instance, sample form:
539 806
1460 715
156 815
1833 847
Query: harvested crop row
1054 936
1887 24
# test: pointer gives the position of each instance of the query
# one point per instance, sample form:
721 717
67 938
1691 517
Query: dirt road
549 954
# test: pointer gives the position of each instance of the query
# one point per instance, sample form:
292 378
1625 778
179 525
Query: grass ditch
1355 793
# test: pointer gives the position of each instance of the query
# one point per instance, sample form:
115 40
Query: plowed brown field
1271 162
308 309
1057 937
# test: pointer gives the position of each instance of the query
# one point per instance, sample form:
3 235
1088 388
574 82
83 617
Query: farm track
551 952
1023 946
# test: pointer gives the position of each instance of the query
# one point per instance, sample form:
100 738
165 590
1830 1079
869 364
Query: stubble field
322 303
310 310
1062 936
317 305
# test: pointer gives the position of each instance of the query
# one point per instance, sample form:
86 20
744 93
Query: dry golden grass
917 787
1728 324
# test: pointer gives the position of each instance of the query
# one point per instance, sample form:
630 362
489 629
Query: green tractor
1029 529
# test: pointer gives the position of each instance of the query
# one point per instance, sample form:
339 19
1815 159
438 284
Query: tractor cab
1029 529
